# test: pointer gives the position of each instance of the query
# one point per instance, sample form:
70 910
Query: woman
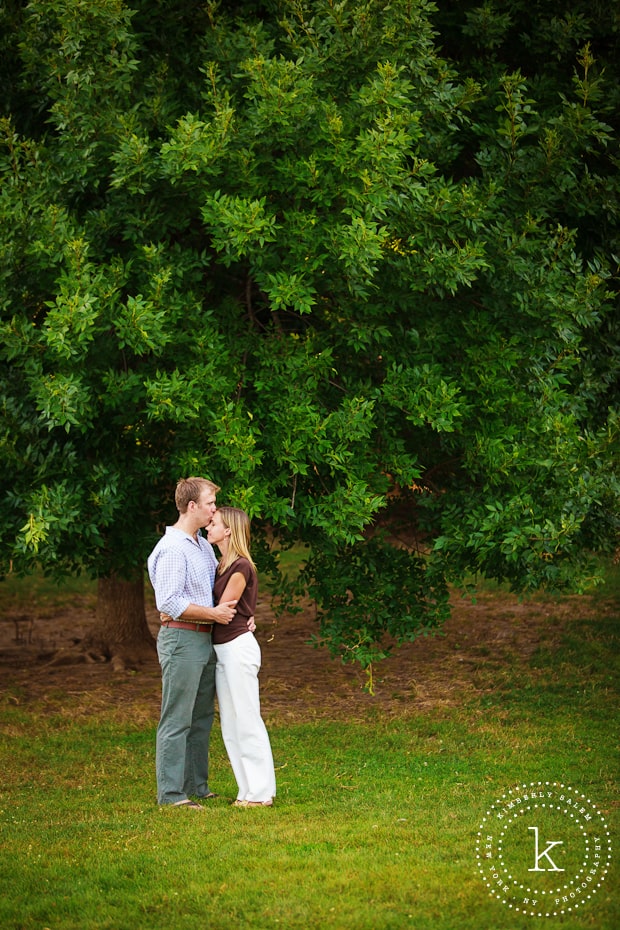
238 662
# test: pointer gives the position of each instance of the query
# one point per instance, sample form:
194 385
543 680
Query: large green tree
309 250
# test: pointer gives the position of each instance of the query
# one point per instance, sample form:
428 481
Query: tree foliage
356 262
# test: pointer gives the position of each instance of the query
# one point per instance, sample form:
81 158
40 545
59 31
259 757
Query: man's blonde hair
190 489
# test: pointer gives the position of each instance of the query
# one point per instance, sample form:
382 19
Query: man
182 571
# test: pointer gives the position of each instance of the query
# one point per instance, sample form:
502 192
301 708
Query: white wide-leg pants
243 730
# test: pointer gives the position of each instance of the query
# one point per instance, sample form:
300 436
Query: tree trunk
122 634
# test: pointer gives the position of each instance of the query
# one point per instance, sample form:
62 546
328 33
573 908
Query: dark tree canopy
356 262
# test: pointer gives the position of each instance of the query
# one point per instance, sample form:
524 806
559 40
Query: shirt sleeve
167 573
243 567
246 604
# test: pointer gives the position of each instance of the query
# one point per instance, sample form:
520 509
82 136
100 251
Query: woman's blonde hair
238 522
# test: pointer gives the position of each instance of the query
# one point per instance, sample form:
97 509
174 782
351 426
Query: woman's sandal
252 803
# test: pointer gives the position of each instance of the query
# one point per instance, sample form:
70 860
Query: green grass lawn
375 825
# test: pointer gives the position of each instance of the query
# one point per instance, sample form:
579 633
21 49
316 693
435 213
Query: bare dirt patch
298 681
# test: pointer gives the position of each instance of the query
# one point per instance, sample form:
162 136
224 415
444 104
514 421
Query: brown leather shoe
193 805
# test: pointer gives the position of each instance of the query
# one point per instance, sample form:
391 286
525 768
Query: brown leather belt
183 625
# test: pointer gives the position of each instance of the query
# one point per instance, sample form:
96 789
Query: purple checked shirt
182 572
